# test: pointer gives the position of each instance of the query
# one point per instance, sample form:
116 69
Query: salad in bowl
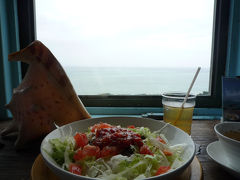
115 152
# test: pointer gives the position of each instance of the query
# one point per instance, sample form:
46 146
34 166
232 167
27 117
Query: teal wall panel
10 72
233 57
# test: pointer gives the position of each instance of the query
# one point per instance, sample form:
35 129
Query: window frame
27 34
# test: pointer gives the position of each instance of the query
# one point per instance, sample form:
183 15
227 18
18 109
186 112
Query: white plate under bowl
216 153
173 134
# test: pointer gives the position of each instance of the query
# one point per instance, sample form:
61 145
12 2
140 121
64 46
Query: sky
127 33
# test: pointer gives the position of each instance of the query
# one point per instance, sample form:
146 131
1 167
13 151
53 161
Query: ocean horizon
135 80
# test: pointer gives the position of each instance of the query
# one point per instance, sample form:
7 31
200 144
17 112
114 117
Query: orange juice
175 114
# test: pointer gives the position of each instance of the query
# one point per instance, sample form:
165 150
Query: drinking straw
186 97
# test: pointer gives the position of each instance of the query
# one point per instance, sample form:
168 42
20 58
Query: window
215 52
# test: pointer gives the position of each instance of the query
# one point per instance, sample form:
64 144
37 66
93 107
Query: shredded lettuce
62 150
176 159
143 131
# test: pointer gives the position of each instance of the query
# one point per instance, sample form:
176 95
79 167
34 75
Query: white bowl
230 146
173 134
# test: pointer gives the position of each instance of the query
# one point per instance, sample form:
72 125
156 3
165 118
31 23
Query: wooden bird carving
44 97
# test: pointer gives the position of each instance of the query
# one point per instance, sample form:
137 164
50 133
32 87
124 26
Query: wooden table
16 165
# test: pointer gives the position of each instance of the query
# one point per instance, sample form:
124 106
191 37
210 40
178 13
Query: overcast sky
160 33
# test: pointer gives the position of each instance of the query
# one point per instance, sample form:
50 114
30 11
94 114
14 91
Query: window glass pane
130 47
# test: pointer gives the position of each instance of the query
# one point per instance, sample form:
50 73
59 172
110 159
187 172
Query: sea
136 80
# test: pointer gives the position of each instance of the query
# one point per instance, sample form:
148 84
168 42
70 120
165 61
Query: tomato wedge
131 126
109 151
161 140
87 151
78 155
81 140
75 168
167 153
162 169
100 126
145 150
90 150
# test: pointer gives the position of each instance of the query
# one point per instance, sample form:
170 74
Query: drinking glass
176 114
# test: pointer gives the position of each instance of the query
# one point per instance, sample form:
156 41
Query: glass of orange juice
176 114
